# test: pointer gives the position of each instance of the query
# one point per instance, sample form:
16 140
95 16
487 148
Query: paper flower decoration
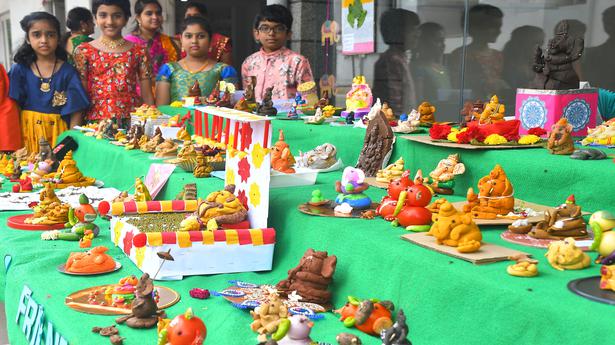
128 242
537 131
230 177
117 230
241 195
244 169
255 194
248 135
140 253
258 155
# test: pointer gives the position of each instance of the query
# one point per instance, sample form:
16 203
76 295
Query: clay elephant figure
329 30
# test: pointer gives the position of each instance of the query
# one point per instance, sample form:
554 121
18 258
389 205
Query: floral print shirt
283 70
111 79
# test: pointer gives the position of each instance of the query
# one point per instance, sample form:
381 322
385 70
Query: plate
61 269
327 210
529 241
426 139
18 223
590 288
79 301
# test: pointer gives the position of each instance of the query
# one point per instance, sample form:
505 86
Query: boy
274 65
393 81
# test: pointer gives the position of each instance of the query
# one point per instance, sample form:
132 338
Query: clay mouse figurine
398 333
144 308
560 141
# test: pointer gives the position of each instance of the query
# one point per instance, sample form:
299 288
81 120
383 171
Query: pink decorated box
542 108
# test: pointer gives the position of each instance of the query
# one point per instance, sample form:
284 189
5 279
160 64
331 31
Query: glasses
278 29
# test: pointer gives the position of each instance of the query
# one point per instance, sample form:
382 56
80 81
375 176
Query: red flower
128 242
439 131
537 131
244 169
241 195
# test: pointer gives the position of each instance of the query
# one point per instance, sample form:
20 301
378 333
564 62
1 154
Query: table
446 300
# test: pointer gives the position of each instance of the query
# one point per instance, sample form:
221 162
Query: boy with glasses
274 65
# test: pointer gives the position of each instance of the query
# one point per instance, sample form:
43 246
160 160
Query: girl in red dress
10 133
111 67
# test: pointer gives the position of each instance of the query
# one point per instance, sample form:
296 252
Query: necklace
46 85
112 44
185 66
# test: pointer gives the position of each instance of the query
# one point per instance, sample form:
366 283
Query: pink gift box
542 108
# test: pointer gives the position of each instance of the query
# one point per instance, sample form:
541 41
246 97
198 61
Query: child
110 67
46 88
220 48
10 134
161 48
175 78
81 25
275 65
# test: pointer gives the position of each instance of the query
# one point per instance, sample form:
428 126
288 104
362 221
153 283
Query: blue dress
46 114
25 90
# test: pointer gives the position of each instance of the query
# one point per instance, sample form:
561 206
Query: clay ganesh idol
221 207
410 211
560 140
442 178
351 189
282 159
427 111
495 196
566 220
455 229
391 172
493 112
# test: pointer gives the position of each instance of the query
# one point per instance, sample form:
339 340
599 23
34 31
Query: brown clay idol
144 309
377 145
560 140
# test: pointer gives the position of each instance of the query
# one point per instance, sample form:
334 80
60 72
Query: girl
220 48
175 78
110 67
81 25
46 88
10 134
161 48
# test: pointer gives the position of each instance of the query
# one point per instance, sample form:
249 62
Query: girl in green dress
80 24
175 78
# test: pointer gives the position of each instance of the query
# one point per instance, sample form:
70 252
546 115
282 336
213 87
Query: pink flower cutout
241 195
244 169
128 242
248 134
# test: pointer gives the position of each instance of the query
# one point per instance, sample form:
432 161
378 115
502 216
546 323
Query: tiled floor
3 336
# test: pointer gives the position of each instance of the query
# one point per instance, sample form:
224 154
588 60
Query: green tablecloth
446 300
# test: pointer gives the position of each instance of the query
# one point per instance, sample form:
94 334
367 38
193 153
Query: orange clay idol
455 229
495 196
93 261
282 159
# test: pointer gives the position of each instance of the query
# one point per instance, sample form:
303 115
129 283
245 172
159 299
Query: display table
446 300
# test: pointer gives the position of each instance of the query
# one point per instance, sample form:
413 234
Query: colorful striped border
154 206
184 239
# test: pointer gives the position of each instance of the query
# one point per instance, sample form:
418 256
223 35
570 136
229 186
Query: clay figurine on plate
603 223
351 189
607 277
391 172
368 316
144 309
560 140
427 111
321 157
188 192
242 105
50 210
151 144
495 196
455 229
359 99
442 178
69 175
202 169
297 331
408 123
566 220
317 199
220 207
94 261
523 267
167 148
493 112
564 255
398 333
388 204
317 119
81 223
410 210
184 329
347 339
282 159
388 113
311 278
267 318
141 191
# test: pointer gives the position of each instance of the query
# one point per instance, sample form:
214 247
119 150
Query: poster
358 27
